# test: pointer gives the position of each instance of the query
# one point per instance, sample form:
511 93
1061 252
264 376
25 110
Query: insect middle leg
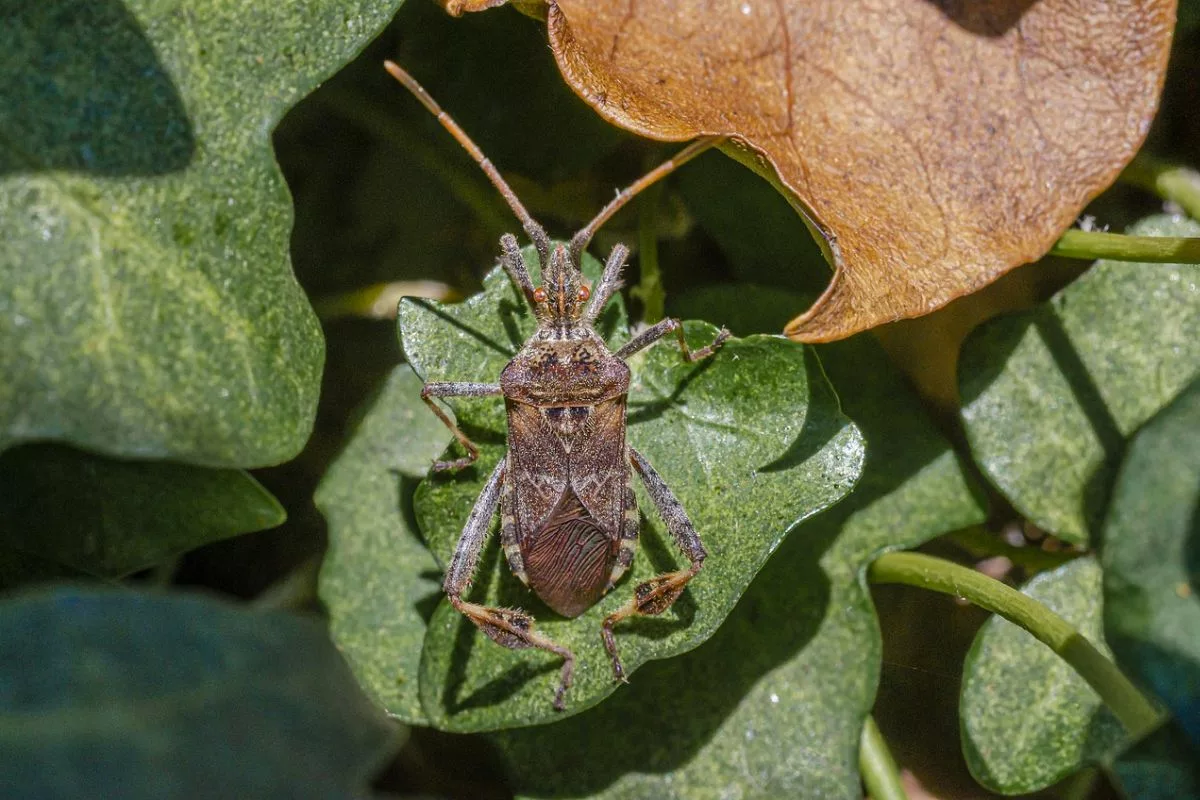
657 594
671 325
437 389
509 627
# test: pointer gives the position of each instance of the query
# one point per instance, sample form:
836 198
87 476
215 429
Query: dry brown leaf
936 143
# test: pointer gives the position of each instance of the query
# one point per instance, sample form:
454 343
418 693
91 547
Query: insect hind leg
656 595
630 525
508 627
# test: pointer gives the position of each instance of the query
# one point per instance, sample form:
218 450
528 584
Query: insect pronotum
569 520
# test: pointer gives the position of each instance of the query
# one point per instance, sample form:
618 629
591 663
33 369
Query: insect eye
584 293
539 295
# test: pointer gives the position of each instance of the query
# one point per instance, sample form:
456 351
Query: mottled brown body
567 472
569 521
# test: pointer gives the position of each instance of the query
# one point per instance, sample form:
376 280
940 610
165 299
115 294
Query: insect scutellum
569 520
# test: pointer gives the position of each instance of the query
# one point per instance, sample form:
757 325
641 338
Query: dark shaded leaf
1151 557
117 694
108 517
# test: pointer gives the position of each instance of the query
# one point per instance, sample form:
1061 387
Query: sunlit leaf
147 304
379 581
1050 395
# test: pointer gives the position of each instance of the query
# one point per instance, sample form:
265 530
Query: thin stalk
936 574
1179 185
1118 247
650 288
879 772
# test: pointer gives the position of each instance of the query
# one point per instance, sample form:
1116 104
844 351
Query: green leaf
1151 557
118 694
379 582
147 304
107 517
773 704
1050 395
1028 719
751 441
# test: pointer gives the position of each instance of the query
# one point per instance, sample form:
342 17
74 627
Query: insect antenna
535 231
580 240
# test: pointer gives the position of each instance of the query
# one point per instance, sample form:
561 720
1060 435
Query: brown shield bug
569 520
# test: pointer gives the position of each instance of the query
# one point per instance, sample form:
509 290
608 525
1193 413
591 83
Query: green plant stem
878 768
1180 185
649 289
1118 247
939 575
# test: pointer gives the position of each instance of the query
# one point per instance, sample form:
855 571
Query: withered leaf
935 144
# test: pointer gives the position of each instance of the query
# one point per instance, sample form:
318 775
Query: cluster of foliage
175 625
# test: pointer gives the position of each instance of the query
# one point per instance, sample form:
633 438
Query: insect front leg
657 594
671 325
509 627
432 390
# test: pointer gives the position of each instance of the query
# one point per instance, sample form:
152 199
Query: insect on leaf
773 704
751 441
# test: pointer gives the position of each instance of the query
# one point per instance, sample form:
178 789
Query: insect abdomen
569 560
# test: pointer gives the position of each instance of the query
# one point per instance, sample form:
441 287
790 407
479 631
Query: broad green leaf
1028 719
751 442
1050 395
119 694
1151 556
379 582
773 704
108 517
147 305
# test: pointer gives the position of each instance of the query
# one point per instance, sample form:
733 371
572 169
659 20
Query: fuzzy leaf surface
1049 396
119 694
751 441
773 704
1028 719
379 581
147 303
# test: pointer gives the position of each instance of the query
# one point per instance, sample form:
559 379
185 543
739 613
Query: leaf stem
1179 185
936 574
1118 247
878 768
649 289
